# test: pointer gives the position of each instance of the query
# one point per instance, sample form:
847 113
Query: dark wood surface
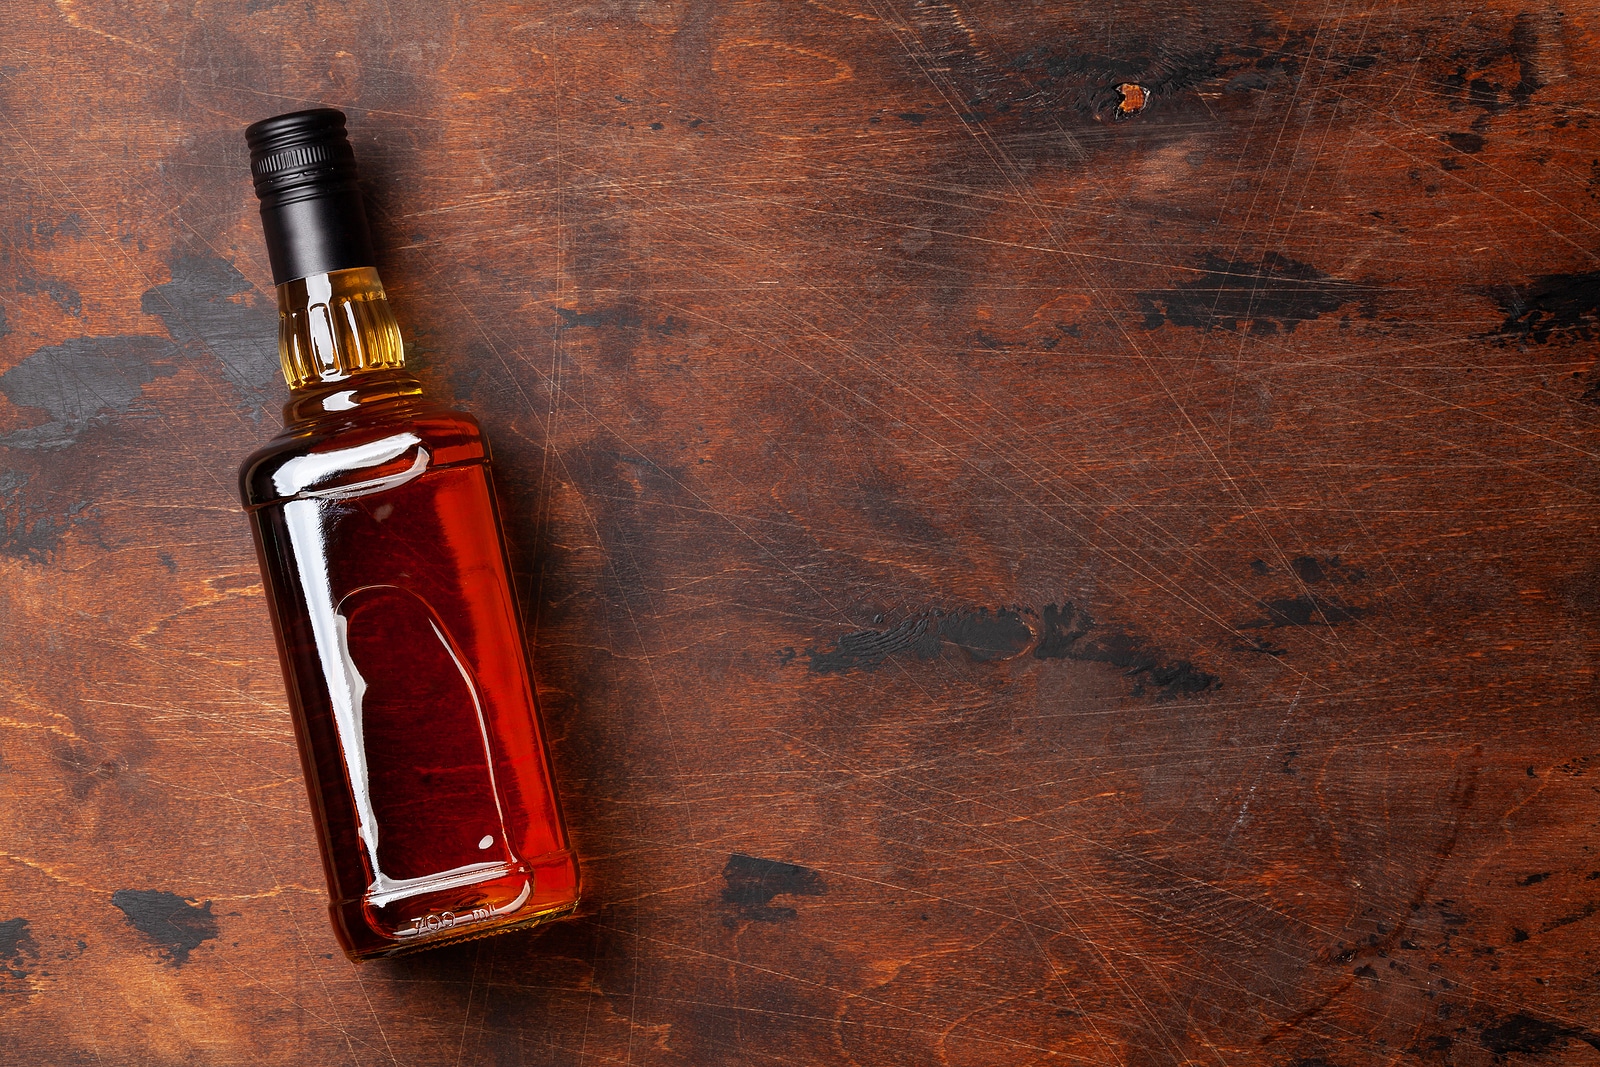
1016 576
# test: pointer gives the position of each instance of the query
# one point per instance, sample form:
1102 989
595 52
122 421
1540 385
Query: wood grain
1022 569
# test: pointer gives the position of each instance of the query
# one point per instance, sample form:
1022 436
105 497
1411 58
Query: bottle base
529 895
470 933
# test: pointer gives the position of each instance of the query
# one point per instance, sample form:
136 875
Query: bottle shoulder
340 453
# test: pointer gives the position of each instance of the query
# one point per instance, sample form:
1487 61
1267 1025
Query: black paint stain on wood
1250 81
18 949
208 308
753 882
1527 1034
1309 609
211 310
1069 633
1052 80
1060 627
1477 81
81 382
1307 569
1534 879
1465 142
868 649
65 296
1578 916
1561 306
623 317
1087 83
1063 632
28 532
175 923
981 634
985 636
1578 766
84 769
616 332
46 230
1259 298
1315 570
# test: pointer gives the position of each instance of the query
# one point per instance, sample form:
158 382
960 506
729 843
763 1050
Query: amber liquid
389 586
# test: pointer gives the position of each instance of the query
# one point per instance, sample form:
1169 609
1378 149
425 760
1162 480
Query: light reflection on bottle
399 778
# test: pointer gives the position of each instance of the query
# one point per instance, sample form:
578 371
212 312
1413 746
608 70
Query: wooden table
1051 533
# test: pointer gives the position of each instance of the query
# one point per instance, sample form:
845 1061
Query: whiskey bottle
390 593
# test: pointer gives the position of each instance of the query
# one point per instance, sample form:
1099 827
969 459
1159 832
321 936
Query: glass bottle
390 593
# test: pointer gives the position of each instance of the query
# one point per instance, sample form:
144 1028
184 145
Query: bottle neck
336 327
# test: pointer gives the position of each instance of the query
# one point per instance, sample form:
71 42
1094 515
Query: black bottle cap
311 210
